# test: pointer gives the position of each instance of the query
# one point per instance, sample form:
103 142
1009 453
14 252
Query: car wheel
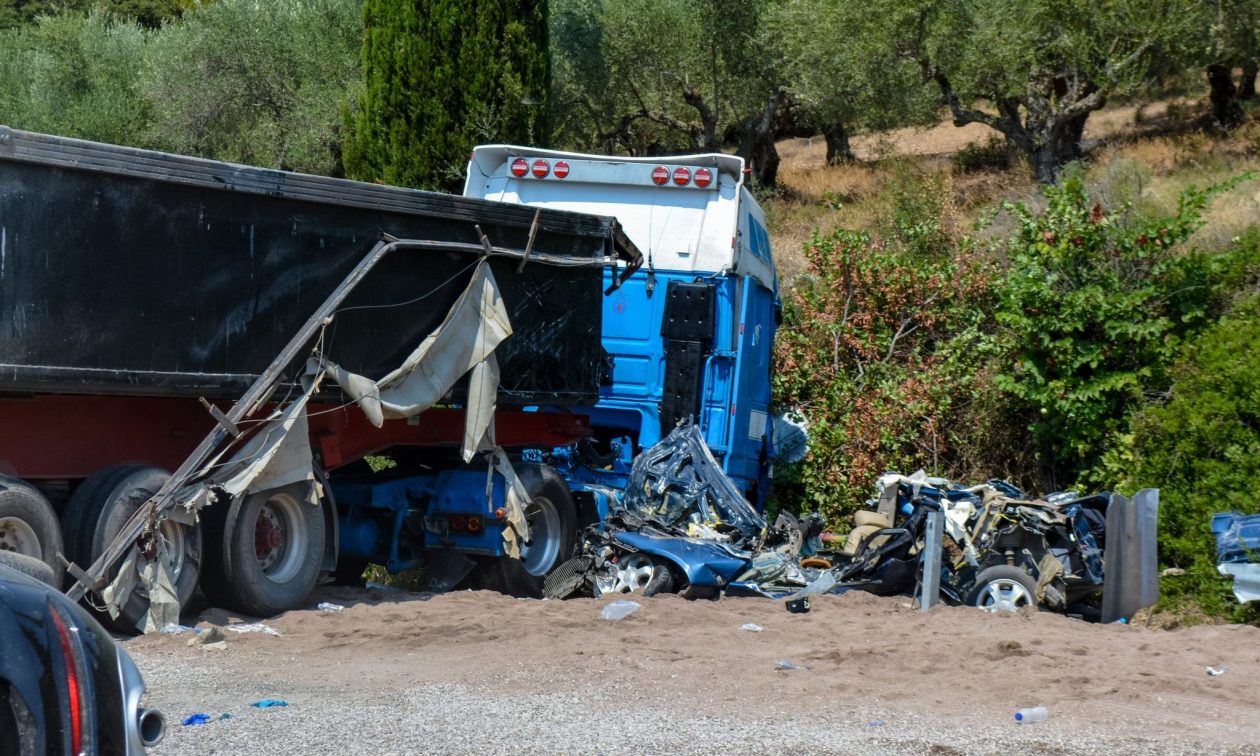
1004 589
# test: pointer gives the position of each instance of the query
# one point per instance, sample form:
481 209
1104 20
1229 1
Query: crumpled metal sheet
1246 577
678 483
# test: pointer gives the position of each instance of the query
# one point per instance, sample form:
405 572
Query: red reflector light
682 176
520 167
561 170
475 524
660 175
704 177
459 523
541 169
73 693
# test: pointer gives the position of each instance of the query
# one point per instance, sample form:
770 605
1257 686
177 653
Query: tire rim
20 538
1004 595
279 538
174 539
172 535
539 555
632 574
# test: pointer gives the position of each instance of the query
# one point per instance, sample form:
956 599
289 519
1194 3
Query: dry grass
1144 156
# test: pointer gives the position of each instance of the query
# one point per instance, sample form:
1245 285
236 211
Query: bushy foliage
262 84
1201 448
75 75
1094 306
877 350
442 76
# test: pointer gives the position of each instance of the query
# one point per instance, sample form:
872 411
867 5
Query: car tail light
561 170
541 168
704 177
75 682
682 176
660 175
520 167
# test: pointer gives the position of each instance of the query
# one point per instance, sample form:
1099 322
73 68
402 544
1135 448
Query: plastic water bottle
1035 714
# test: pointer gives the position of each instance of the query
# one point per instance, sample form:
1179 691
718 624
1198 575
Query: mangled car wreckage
682 528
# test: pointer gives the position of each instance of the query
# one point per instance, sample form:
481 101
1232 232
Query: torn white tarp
464 341
1246 577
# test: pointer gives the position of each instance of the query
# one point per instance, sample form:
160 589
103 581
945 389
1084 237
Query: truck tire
266 551
29 566
1004 588
552 519
28 525
99 509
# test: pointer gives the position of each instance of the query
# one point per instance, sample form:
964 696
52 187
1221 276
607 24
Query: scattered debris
269 703
1034 714
216 646
876 723
787 665
208 635
619 610
330 608
751 627
1217 671
195 719
1238 552
253 627
1172 572
174 628
798 606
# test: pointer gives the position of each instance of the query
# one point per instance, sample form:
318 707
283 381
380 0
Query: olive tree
1034 70
846 73
649 76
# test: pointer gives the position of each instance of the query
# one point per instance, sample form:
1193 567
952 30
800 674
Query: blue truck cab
689 335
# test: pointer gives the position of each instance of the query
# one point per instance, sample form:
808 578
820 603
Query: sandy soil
945 681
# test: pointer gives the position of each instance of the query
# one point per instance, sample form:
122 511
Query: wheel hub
268 537
631 574
1004 596
18 537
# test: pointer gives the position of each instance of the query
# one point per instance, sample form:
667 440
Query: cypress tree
442 76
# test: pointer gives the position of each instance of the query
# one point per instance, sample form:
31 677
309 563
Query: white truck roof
685 213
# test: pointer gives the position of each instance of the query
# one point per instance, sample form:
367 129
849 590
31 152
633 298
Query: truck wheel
552 519
29 566
99 509
1004 589
28 525
268 558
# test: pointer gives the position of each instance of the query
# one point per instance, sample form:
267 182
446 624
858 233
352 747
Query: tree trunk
838 149
765 162
1069 147
1247 87
1226 112
1044 160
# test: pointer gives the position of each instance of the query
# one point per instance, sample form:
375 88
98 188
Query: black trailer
136 285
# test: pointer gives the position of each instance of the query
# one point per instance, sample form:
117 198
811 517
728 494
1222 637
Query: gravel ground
475 673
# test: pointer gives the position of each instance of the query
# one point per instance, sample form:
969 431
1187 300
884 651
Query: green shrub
1093 309
1201 448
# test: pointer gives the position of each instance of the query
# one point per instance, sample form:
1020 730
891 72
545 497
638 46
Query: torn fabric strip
465 341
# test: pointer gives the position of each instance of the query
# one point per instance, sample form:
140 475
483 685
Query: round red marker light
660 175
682 176
561 170
541 169
520 167
704 177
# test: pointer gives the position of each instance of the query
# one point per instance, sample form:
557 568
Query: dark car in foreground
65 686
